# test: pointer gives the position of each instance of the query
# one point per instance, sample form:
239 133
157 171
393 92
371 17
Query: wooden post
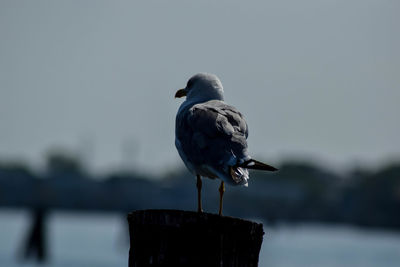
183 238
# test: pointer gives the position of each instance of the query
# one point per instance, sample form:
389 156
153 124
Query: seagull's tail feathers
257 165
239 174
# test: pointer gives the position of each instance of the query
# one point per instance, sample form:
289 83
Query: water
328 246
82 240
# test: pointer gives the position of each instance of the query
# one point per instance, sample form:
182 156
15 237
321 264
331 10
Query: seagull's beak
180 93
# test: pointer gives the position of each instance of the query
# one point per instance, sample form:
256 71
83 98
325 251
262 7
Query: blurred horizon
316 80
79 161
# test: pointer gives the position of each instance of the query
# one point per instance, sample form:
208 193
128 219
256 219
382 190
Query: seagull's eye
189 84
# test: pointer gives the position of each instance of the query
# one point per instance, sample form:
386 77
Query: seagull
211 135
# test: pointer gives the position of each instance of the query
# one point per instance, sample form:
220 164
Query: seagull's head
202 87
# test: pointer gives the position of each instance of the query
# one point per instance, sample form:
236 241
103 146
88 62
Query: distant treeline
298 192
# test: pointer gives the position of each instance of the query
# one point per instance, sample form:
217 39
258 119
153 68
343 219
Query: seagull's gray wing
212 134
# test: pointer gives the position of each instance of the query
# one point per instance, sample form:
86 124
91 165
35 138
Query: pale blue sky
315 79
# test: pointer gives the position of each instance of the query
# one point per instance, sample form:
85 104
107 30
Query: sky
316 80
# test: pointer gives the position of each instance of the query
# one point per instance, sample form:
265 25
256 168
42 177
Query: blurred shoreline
298 192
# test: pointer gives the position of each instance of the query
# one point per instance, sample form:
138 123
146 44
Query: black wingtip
257 165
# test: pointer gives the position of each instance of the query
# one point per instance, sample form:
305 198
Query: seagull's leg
221 195
199 184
